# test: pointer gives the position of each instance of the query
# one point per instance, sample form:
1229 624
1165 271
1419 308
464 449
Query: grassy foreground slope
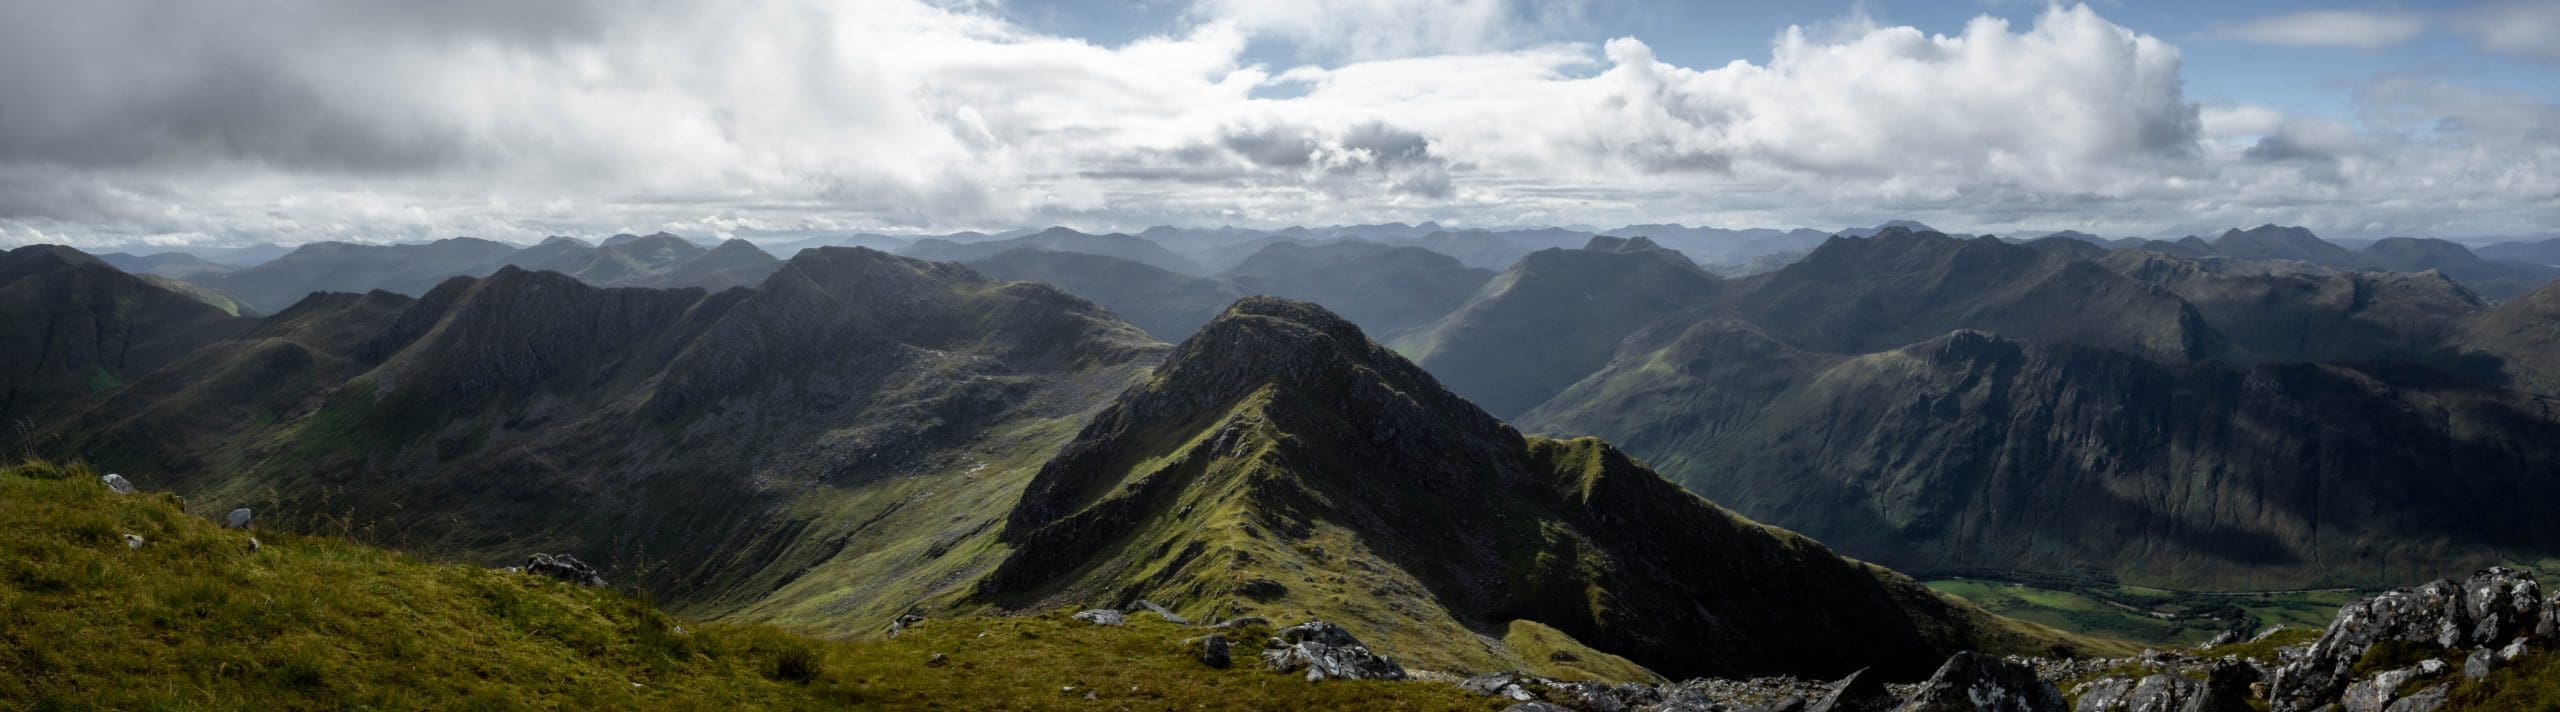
195 619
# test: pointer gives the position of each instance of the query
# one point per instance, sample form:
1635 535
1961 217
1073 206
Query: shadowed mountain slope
1973 451
1855 295
1168 305
2310 316
1553 318
845 425
77 326
2239 426
2517 343
1388 291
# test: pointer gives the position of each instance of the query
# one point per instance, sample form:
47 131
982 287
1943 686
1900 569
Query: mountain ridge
1205 487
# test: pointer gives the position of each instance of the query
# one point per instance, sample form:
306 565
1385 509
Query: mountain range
862 436
1209 252
658 260
1390 290
1942 405
847 436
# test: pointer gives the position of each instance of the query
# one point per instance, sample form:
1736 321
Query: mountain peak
735 245
1263 340
1605 243
2272 241
1312 318
1279 458
48 255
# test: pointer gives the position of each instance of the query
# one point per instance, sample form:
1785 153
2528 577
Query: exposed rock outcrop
1971 682
563 567
1326 651
1215 652
2415 631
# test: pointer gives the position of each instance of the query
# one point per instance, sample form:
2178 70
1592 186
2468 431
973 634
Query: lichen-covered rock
2112 693
1102 616
2479 664
562 567
2490 609
2375 693
1974 682
1501 684
239 518
2151 693
1326 651
2426 700
117 484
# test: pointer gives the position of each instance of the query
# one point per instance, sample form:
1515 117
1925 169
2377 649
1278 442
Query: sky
131 124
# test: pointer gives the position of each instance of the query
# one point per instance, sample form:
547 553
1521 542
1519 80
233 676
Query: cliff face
1280 463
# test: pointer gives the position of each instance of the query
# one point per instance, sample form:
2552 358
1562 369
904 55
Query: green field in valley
2149 616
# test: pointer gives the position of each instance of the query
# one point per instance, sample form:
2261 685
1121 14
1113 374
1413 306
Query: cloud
2238 120
2525 28
2353 29
315 120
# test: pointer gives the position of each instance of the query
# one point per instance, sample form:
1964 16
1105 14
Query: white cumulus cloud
398 121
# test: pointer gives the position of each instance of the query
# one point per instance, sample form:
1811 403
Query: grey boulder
1214 651
562 567
1974 682
1326 651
